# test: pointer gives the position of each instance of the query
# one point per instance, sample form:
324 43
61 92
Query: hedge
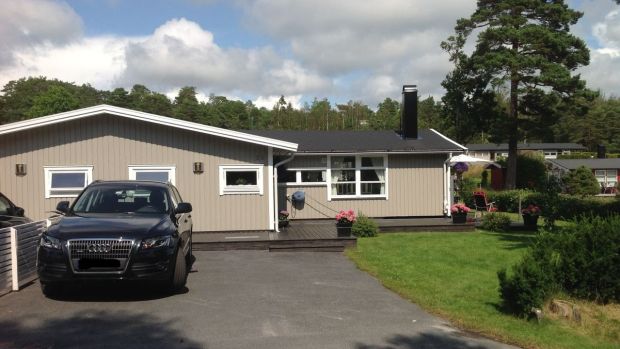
569 206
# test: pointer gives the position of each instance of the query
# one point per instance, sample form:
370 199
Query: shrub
581 181
364 227
581 260
495 221
528 286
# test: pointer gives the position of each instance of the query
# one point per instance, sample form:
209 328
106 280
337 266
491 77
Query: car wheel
190 254
51 289
179 275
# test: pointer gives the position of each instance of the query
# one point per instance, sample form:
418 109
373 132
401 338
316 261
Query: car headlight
50 242
155 242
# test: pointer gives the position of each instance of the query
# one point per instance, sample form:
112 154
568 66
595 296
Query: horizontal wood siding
415 187
111 144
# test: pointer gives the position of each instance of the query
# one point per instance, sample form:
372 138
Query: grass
454 275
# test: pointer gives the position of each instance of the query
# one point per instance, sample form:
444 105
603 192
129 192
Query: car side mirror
18 211
63 206
183 207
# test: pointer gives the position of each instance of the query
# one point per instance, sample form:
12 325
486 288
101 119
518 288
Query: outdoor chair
482 204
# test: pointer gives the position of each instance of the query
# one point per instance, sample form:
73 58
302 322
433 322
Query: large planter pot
344 229
459 218
530 220
283 223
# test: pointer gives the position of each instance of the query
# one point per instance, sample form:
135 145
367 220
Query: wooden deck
314 235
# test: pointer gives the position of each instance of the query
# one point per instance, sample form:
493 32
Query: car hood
111 226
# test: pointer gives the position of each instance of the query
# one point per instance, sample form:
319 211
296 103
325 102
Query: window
607 178
358 176
152 173
241 179
309 176
124 198
66 182
551 154
4 206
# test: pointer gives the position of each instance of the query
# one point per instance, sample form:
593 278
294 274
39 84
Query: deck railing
18 255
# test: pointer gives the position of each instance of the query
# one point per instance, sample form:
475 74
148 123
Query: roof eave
153 118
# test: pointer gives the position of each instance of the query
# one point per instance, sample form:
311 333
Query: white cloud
343 50
269 101
28 23
181 53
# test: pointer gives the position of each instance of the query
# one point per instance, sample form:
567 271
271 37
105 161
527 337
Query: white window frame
298 181
241 189
171 169
358 176
607 176
48 171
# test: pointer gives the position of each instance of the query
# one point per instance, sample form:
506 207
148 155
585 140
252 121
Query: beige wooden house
234 180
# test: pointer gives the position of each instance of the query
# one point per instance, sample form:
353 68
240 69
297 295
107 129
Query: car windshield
126 199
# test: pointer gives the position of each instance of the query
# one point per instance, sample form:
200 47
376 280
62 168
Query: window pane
4 206
343 175
286 176
372 162
372 175
373 188
160 176
343 162
68 180
313 176
343 189
241 178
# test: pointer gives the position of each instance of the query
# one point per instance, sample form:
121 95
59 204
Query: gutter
275 189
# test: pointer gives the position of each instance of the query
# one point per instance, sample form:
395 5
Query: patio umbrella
469 159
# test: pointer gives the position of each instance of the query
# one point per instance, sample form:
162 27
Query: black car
120 230
11 215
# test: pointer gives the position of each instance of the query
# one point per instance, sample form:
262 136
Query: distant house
236 180
607 171
490 151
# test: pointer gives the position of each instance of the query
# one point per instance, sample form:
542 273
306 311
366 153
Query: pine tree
526 48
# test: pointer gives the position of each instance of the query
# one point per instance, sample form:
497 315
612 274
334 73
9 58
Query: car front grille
100 248
99 255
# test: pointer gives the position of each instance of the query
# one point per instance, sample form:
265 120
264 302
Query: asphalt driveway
235 299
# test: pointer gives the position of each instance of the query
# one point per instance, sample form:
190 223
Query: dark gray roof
571 164
361 141
525 146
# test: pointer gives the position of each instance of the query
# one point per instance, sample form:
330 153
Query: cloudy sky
261 49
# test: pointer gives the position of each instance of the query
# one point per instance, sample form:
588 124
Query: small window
156 173
241 179
66 182
312 176
4 206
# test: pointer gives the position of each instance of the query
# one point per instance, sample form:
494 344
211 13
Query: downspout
275 189
447 187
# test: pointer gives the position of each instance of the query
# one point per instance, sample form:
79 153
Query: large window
241 179
358 176
66 182
607 178
152 173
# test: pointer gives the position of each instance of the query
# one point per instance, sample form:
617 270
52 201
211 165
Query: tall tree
186 105
387 115
56 99
525 47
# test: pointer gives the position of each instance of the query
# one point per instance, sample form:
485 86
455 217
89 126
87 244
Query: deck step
298 248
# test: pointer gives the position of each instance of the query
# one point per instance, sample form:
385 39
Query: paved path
235 299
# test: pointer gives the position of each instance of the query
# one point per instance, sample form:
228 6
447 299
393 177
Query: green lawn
454 275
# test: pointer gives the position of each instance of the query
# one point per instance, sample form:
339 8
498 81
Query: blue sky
261 49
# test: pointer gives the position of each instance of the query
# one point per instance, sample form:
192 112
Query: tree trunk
513 138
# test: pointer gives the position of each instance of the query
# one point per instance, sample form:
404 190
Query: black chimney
409 112
600 151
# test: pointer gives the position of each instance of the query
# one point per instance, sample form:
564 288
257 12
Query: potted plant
459 213
344 222
283 218
530 215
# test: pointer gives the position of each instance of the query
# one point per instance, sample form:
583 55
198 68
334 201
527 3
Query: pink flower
345 216
459 208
